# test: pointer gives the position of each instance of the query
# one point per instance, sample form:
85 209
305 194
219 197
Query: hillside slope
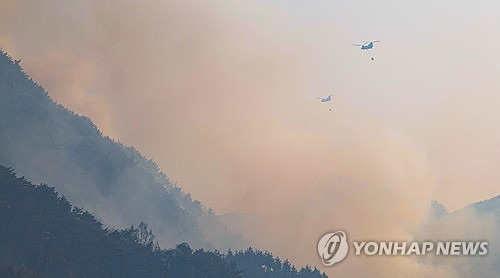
476 222
487 207
43 235
47 143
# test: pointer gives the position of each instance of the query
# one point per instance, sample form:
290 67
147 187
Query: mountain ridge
43 235
49 143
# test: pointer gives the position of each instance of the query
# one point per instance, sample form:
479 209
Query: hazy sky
221 94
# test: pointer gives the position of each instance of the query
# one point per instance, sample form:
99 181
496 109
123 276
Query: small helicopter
367 46
326 99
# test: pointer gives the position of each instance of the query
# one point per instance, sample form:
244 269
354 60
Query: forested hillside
113 188
44 235
48 143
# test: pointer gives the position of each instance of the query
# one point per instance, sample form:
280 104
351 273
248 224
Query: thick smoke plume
221 95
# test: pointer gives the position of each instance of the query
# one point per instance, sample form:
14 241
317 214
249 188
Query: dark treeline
13 272
258 264
42 233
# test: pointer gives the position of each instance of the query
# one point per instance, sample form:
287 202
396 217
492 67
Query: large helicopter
325 100
367 46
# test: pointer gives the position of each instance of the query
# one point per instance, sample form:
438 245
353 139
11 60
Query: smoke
469 224
221 95
169 78
378 188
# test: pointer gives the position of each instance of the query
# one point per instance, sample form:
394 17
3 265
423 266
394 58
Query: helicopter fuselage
326 99
367 46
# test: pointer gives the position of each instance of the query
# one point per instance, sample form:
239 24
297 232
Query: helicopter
325 100
367 46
